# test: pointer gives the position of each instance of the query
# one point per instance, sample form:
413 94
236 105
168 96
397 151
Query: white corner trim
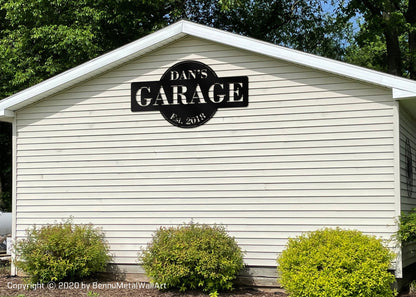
14 195
397 192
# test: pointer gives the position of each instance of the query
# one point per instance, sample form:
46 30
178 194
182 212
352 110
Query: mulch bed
17 287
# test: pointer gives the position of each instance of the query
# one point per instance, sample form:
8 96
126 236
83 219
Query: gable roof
402 88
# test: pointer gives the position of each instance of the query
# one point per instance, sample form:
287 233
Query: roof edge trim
6 115
402 94
303 59
401 87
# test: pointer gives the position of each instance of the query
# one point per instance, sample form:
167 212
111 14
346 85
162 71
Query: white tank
5 223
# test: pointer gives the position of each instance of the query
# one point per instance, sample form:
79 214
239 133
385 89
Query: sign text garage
189 93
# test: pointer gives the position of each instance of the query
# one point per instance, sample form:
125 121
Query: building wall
310 150
407 192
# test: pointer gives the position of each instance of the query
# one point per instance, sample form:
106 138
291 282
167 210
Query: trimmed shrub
193 256
336 263
407 227
62 252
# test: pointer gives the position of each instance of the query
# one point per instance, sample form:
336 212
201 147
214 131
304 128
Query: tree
299 24
43 38
386 40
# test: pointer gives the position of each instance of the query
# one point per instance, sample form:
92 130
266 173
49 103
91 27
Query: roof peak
401 87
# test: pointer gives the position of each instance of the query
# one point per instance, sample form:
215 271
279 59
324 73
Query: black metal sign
189 93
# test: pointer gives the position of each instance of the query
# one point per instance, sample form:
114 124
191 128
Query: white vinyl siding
311 150
408 199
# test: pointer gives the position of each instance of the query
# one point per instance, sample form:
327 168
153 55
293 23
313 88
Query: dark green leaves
62 251
193 256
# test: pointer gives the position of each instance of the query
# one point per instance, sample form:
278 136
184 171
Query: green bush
62 252
193 256
336 263
407 227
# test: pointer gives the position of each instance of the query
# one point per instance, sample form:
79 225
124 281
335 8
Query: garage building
192 123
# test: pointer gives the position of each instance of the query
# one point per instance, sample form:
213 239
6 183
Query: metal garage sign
189 93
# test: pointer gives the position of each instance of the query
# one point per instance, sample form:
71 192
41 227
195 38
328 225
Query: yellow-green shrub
193 256
62 251
407 227
336 263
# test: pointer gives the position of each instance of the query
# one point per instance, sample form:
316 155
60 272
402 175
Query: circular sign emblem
195 77
189 94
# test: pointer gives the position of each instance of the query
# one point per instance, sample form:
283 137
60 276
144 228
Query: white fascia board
7 119
401 94
407 86
6 115
91 68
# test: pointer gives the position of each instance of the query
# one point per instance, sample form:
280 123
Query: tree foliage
386 39
407 227
299 24
45 37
